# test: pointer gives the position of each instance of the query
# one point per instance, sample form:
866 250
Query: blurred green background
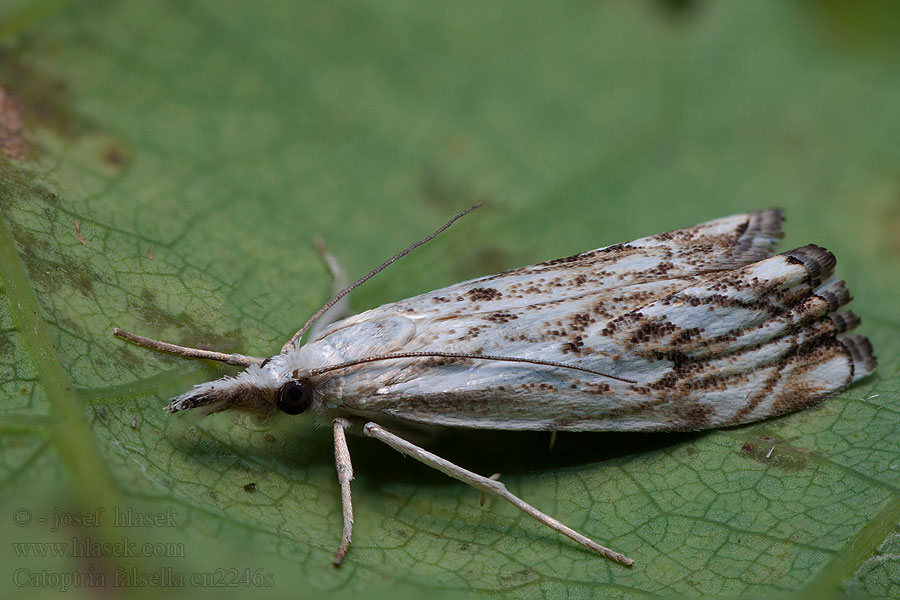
164 166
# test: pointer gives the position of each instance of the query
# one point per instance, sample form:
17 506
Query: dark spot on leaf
45 99
129 356
519 577
115 156
12 126
192 333
781 458
678 8
50 273
50 266
152 313
6 344
250 487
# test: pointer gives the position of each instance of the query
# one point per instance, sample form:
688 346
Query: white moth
685 330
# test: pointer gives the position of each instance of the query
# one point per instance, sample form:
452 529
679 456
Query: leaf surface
164 166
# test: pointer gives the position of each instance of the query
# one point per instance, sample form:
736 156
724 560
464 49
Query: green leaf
164 166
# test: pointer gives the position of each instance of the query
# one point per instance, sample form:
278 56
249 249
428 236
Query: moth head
260 390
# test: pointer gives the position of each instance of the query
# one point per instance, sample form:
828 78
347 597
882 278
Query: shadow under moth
685 330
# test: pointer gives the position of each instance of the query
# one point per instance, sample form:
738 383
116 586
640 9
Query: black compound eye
294 397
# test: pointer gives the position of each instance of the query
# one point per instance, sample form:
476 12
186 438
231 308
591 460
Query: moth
686 330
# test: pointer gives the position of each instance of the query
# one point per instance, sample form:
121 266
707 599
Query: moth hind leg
339 281
487 485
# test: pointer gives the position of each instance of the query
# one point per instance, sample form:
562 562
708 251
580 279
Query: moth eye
294 397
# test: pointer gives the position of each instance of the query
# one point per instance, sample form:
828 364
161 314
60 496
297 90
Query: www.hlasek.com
85 547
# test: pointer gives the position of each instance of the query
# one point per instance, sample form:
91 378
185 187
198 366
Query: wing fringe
756 242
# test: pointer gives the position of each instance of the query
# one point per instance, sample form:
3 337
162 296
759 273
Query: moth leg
487 485
339 281
495 477
345 475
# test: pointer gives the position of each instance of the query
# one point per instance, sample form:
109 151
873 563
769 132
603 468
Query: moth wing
720 244
728 347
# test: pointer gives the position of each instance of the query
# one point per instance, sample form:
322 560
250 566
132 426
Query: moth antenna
532 361
232 359
296 337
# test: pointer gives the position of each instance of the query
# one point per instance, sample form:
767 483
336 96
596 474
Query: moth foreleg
338 282
487 485
345 475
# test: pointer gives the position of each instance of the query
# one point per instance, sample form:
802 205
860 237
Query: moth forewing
684 330
698 353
